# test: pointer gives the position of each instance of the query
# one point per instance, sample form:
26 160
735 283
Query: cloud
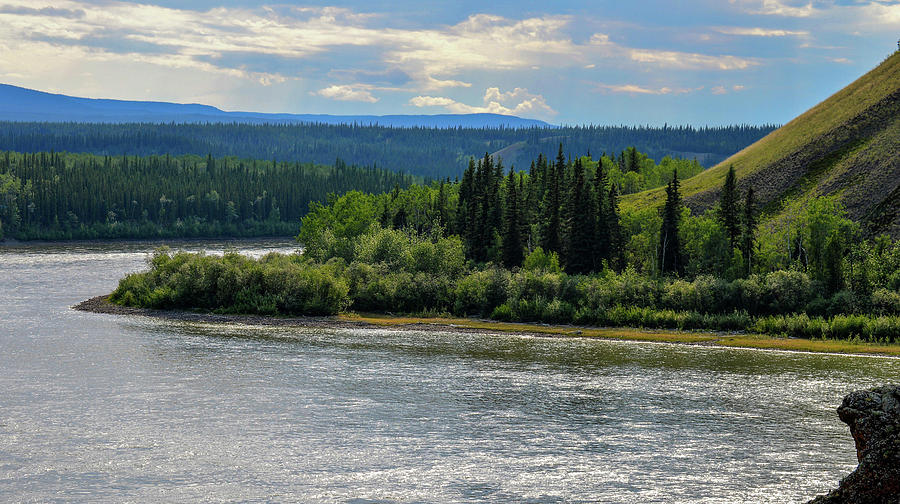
347 93
636 89
388 77
687 61
42 12
518 102
603 47
720 90
760 32
776 8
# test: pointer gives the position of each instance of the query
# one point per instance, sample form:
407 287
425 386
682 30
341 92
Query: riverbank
101 304
156 242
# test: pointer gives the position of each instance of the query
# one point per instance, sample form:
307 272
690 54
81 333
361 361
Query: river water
104 408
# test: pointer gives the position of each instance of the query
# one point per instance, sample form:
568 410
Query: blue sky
568 62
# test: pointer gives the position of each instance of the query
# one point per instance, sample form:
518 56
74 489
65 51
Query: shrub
482 291
538 260
886 302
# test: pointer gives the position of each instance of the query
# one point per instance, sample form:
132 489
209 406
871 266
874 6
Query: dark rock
874 420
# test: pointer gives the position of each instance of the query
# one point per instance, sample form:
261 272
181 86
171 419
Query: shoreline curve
101 305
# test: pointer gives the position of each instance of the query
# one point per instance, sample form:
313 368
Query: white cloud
776 8
674 59
636 89
601 46
517 102
760 32
347 93
720 90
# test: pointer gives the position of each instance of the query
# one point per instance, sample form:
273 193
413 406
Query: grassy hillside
848 145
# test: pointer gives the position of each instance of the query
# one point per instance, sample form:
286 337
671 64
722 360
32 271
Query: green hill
848 145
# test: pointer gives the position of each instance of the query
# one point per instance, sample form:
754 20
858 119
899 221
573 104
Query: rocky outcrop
874 420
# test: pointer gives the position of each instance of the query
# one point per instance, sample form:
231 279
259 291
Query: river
105 408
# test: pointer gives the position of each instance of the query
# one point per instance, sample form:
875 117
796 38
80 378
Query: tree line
54 195
429 152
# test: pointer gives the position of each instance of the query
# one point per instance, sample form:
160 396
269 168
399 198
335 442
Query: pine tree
749 230
550 220
601 245
670 258
511 236
614 254
728 208
580 220
633 160
466 201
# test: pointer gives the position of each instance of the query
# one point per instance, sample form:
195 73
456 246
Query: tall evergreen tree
633 159
550 219
728 208
749 223
601 244
511 237
465 202
580 224
670 256
616 247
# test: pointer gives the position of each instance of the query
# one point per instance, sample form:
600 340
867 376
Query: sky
700 62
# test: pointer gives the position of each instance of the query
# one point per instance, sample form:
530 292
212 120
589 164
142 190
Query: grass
630 334
800 134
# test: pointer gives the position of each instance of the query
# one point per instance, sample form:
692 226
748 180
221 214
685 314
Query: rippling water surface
110 408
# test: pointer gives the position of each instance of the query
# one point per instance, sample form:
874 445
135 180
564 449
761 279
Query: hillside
848 145
21 104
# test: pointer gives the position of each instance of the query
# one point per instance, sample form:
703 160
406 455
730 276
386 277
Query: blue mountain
22 104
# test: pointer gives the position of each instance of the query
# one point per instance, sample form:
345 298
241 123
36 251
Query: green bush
482 291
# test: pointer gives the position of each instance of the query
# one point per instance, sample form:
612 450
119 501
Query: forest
552 245
49 195
429 152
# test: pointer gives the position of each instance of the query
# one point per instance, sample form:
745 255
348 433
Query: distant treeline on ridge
429 152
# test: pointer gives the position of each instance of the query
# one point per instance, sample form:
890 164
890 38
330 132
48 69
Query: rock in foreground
874 420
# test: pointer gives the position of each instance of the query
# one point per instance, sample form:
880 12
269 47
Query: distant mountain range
22 104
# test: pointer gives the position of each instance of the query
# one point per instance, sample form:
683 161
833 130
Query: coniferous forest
62 196
429 152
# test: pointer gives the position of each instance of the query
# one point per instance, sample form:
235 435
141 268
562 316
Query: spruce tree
550 219
614 252
749 229
466 201
728 208
580 220
633 160
601 243
511 243
670 258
